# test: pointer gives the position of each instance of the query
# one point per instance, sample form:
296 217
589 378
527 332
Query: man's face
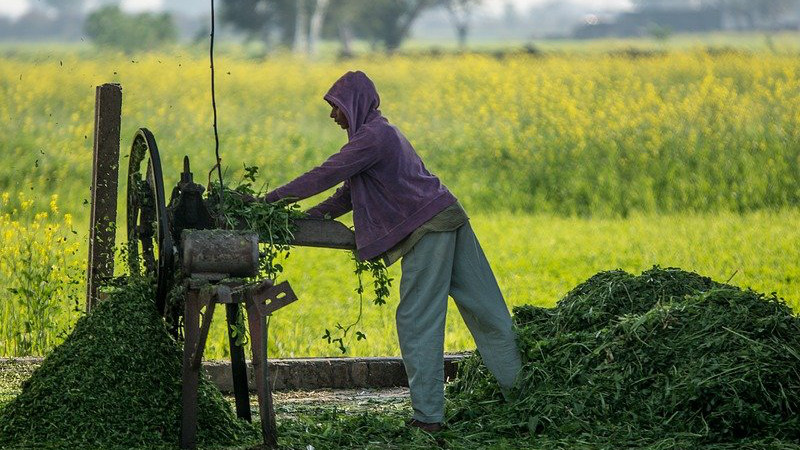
338 116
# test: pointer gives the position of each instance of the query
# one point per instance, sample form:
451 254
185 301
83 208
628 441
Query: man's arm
356 156
335 205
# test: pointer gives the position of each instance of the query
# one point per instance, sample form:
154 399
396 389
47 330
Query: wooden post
105 174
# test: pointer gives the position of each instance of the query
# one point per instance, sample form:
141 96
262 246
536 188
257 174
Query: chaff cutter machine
181 246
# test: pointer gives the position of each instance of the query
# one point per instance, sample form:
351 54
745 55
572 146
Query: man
401 210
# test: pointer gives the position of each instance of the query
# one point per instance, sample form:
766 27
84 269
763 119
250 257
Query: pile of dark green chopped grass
115 382
664 358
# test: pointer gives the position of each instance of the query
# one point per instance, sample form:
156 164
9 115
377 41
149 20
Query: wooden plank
190 376
238 366
258 343
105 175
324 234
278 297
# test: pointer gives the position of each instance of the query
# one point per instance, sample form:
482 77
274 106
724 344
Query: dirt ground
14 372
349 401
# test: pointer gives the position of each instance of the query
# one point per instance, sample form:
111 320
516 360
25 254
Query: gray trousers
441 264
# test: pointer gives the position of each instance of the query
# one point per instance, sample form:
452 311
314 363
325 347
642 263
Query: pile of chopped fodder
115 382
630 359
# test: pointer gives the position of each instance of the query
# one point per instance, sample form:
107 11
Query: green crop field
567 163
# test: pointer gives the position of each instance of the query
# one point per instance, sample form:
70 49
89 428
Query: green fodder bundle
115 382
636 359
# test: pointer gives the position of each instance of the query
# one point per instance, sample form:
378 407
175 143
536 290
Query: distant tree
309 17
668 4
252 17
110 27
300 23
297 23
66 16
261 19
510 13
773 10
34 24
750 10
659 32
460 12
389 21
755 11
340 24
300 43
315 25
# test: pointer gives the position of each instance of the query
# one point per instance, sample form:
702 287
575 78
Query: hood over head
355 94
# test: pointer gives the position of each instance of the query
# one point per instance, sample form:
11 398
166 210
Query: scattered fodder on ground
637 359
115 382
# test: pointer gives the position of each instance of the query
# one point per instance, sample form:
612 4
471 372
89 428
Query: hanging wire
214 107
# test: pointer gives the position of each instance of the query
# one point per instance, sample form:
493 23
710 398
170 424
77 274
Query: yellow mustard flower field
568 164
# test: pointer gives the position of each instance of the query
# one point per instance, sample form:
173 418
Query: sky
15 8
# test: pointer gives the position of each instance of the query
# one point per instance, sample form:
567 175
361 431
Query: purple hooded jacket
386 184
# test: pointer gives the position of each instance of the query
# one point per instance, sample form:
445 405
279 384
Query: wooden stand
261 300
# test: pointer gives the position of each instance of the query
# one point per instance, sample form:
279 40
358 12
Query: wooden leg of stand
258 341
238 367
190 376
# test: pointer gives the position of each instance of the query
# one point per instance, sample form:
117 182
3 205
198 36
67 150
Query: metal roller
221 253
